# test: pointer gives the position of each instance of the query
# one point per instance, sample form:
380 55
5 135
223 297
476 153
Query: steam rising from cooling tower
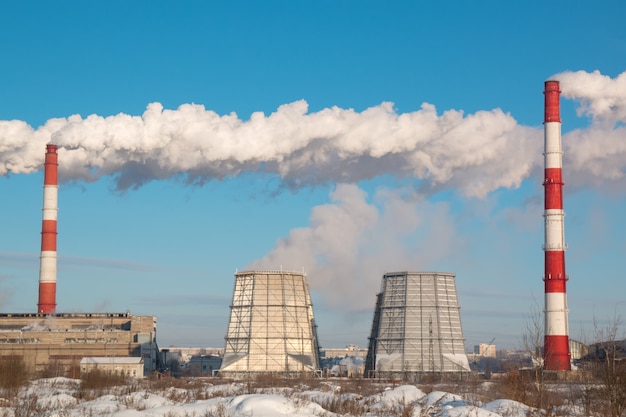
48 264
556 346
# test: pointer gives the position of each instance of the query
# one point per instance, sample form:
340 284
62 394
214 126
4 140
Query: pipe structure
48 260
556 353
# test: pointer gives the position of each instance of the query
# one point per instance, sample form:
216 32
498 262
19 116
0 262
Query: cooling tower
417 326
271 326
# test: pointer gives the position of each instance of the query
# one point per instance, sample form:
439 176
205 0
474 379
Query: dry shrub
96 383
516 385
362 386
268 380
27 406
344 405
180 389
13 374
608 394
99 379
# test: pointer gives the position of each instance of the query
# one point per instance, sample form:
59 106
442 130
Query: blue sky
348 139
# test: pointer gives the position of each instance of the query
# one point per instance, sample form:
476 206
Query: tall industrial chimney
48 264
556 354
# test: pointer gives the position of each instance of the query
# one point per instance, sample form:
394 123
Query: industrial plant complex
58 342
416 326
46 339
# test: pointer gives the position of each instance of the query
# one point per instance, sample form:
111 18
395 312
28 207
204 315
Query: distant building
350 350
343 362
577 349
128 366
612 349
485 350
204 365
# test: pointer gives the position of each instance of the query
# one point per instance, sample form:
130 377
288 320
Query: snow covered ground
63 397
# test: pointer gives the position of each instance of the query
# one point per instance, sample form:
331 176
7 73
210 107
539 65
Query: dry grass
13 374
591 389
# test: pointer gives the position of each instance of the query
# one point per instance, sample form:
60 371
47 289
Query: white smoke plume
351 242
601 97
476 153
596 155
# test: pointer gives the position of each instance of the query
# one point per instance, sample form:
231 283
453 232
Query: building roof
108 360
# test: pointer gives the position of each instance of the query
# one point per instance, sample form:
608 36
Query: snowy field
63 397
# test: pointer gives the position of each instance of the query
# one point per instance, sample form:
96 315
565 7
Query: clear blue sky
346 138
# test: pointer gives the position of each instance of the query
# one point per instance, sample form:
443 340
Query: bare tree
532 341
608 364
533 336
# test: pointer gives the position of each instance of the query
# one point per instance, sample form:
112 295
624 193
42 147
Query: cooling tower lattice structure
271 326
417 326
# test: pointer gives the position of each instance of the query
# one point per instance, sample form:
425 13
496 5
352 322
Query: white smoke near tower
472 153
603 98
596 155
303 149
352 240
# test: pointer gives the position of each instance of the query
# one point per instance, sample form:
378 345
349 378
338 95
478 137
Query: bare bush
26 406
607 365
13 374
344 405
96 383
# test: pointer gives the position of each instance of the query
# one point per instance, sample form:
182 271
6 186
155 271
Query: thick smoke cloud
351 241
476 153
596 155
601 97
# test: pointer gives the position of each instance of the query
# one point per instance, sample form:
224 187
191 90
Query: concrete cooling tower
271 326
416 327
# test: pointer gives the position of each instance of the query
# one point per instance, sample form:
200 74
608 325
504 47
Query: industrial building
54 343
204 365
130 366
416 327
60 341
271 326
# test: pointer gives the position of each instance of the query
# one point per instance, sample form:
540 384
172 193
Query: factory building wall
131 367
416 326
271 326
62 340
204 365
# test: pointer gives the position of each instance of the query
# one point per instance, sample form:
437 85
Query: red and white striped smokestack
556 354
48 264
